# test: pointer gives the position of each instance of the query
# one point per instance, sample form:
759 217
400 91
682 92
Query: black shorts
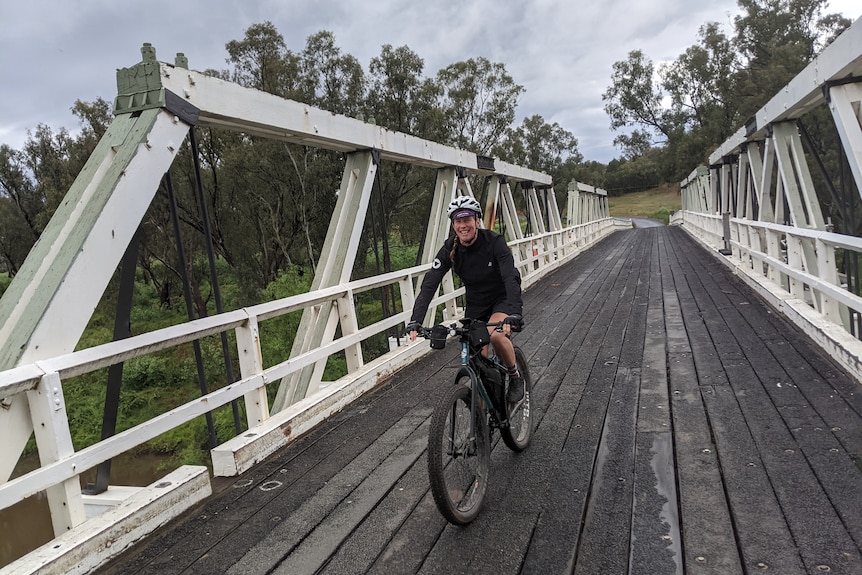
486 313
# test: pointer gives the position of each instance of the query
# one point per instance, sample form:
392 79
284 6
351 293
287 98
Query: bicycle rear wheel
517 434
458 456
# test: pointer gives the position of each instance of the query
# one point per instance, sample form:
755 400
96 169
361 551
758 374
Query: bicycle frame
477 383
470 368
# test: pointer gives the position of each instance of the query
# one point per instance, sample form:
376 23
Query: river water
27 525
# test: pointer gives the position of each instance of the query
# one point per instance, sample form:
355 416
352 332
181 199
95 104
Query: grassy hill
658 203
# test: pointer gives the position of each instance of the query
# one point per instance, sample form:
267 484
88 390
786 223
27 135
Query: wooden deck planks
763 386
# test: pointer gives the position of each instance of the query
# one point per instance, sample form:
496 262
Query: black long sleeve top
487 270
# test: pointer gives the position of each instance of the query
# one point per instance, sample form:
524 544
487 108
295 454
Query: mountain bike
466 418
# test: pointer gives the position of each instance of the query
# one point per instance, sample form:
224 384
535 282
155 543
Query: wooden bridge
682 426
697 387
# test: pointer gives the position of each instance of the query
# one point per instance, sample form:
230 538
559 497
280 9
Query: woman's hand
513 322
412 329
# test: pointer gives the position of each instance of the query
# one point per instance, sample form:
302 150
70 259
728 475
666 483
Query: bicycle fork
476 392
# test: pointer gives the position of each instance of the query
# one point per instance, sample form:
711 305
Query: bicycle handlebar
464 329
454 329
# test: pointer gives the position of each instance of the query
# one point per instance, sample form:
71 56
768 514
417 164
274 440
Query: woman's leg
506 353
500 340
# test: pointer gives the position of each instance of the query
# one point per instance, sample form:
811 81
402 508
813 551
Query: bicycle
467 416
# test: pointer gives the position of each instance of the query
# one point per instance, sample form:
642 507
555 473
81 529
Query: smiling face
467 229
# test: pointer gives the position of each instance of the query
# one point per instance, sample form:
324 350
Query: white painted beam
227 105
99 539
47 306
839 60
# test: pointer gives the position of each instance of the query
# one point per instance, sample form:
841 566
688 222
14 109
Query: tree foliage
686 108
538 145
543 147
21 208
34 180
480 99
261 61
635 98
400 98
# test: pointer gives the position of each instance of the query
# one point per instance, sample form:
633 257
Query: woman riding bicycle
487 269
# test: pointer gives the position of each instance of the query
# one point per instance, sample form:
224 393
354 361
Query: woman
486 267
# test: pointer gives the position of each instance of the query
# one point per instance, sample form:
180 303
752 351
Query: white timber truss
757 207
47 306
586 203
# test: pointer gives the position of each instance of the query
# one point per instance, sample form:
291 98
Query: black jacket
487 270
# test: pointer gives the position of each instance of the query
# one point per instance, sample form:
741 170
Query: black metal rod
190 310
228 364
387 256
806 137
377 256
122 330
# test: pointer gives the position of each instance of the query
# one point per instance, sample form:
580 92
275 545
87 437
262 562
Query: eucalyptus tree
46 155
691 105
262 61
278 197
21 207
335 81
702 88
544 147
94 118
776 40
635 98
26 198
328 78
402 99
34 180
634 144
479 99
539 145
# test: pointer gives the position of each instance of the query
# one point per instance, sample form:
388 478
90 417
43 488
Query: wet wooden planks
681 427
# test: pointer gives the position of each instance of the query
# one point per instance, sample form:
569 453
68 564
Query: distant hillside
658 203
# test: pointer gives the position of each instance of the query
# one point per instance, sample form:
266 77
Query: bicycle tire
458 467
516 435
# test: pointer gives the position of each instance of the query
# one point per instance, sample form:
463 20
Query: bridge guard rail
770 258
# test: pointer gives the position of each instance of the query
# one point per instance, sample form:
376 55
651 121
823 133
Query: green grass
657 204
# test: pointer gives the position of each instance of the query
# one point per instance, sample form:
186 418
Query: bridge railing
43 380
773 255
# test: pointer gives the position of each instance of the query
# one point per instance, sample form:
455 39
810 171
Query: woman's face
467 229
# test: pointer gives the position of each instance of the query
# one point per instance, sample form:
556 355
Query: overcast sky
53 52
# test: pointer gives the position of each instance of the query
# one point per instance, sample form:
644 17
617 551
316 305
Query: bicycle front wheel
517 434
459 455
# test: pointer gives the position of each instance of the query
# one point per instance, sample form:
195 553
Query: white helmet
462 203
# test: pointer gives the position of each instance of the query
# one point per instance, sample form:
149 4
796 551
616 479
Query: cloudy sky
53 52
